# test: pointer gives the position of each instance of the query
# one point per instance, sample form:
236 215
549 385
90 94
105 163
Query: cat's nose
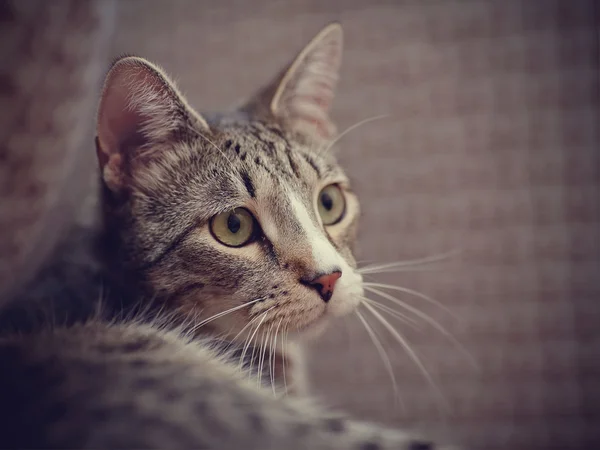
324 284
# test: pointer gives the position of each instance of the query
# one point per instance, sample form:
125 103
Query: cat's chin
313 329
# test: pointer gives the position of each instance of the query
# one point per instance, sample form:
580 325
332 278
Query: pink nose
324 284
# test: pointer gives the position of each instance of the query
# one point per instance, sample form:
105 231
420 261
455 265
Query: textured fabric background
492 146
52 59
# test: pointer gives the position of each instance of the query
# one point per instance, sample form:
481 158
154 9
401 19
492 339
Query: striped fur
136 373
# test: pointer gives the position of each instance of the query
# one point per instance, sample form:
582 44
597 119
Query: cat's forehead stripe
271 151
248 183
312 163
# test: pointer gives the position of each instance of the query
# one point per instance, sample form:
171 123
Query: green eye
331 204
233 228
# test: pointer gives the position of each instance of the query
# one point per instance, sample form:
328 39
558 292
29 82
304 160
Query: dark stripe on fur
293 164
312 163
270 250
248 183
171 247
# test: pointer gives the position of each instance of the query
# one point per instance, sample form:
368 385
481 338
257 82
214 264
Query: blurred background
491 146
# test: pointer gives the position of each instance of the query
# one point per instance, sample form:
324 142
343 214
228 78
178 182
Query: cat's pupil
326 201
234 223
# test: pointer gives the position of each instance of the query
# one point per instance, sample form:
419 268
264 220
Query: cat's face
247 214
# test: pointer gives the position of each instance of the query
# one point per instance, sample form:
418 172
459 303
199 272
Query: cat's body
222 237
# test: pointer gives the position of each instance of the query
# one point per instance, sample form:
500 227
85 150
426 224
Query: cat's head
246 212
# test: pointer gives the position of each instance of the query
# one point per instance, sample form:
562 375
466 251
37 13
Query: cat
220 233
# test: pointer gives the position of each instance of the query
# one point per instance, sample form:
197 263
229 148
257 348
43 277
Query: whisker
410 262
262 353
263 316
284 340
258 365
233 340
272 356
384 357
415 294
411 352
429 320
186 326
393 269
214 145
348 130
392 312
261 350
223 313
252 360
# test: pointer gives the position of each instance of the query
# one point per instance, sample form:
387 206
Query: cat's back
131 386
102 385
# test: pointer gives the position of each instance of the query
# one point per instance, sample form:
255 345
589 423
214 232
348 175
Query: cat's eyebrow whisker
214 145
410 262
413 293
384 357
392 312
411 352
325 149
427 319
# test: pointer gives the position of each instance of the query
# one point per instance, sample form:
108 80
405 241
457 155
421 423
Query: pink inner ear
118 123
308 95
139 105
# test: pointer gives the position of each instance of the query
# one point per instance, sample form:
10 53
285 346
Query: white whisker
384 356
427 319
414 293
395 269
272 359
348 130
223 313
284 340
252 360
392 312
250 322
214 145
262 353
263 316
413 355
408 263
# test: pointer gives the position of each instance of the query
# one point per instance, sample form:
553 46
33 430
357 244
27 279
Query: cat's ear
301 96
140 107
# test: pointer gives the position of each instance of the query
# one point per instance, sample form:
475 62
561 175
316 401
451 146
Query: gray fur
133 367
73 388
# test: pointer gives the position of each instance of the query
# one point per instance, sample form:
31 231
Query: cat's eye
331 204
233 228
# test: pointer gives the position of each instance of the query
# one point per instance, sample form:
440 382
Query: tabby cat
222 236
